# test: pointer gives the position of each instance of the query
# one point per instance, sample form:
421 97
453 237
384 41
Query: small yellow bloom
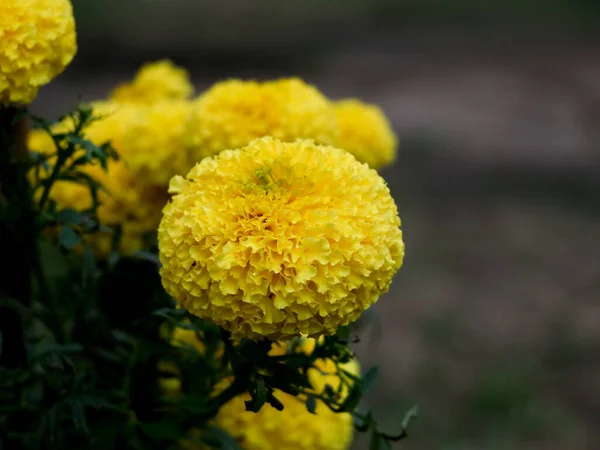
37 42
152 144
154 82
279 239
232 113
366 133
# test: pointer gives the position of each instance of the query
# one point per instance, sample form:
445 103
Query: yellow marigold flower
232 113
366 133
125 200
152 143
279 239
157 81
294 427
37 41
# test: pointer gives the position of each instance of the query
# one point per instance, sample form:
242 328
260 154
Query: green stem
18 234
48 183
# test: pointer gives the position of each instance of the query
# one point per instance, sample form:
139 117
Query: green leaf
96 401
69 216
225 439
375 441
352 400
410 415
78 411
274 401
369 378
161 430
88 267
68 239
259 396
311 404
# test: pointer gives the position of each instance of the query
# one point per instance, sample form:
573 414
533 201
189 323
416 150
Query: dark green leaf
78 411
69 216
68 238
375 442
259 396
225 439
96 401
352 400
88 267
161 430
311 404
274 401
410 415
52 349
20 115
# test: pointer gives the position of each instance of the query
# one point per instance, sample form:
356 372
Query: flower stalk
17 234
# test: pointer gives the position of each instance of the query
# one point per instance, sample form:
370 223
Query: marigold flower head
232 113
366 133
37 41
292 428
154 82
278 239
152 144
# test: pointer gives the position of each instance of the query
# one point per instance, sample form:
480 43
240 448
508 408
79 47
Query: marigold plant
148 140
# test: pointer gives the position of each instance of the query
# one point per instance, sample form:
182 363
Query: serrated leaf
369 378
68 239
311 404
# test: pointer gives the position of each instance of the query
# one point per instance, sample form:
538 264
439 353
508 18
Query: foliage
94 331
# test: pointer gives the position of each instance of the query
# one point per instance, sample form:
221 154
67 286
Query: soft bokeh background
493 325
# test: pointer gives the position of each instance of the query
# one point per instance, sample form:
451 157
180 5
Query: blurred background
493 325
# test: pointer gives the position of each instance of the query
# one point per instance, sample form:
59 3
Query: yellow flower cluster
155 82
232 113
279 239
37 41
366 133
148 138
294 428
